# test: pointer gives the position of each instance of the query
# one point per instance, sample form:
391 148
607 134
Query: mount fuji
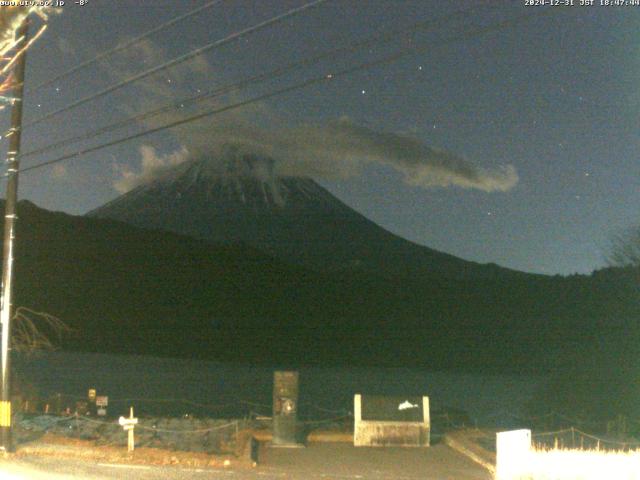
241 199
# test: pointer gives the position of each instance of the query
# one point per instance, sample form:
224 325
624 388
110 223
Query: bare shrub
34 331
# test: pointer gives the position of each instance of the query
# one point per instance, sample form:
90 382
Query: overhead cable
176 61
298 86
382 37
124 46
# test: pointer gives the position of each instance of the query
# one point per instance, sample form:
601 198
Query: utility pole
10 217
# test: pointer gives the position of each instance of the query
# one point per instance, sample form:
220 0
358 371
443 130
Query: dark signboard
392 409
285 407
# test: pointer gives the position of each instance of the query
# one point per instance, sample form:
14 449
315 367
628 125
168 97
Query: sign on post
102 402
128 424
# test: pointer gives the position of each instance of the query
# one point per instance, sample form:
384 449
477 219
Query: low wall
387 431
516 458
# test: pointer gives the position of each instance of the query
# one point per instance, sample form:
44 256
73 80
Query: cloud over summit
338 149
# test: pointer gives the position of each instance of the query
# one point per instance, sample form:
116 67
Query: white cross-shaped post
128 424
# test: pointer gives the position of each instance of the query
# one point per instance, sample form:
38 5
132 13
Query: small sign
102 401
102 412
91 395
126 422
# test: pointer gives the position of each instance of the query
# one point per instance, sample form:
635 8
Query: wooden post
128 424
131 442
10 217
573 438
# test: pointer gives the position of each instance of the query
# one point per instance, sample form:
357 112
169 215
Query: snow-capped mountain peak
240 197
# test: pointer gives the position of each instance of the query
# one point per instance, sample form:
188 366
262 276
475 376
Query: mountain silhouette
240 199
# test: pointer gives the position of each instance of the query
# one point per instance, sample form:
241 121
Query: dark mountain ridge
129 290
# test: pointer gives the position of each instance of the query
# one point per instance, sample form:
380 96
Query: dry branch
33 331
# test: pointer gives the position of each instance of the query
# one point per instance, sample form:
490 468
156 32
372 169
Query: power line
125 45
312 81
178 60
275 73
319 79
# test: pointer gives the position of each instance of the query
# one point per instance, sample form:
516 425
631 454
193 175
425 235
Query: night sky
555 95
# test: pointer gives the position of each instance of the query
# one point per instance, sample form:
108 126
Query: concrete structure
285 408
471 444
391 421
512 453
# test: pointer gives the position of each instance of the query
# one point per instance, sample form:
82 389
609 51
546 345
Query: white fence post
512 454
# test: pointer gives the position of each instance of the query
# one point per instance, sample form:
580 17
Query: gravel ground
317 461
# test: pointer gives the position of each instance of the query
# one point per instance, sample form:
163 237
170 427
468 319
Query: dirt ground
335 460
329 453
50 445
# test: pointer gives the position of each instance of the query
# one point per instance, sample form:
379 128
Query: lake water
176 387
